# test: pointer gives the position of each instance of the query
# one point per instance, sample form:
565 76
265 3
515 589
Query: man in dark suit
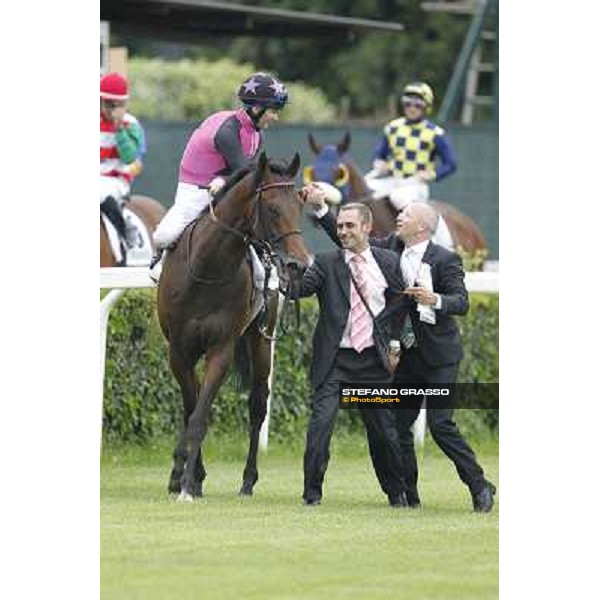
431 340
350 345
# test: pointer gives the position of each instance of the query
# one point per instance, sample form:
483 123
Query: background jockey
411 145
224 142
122 145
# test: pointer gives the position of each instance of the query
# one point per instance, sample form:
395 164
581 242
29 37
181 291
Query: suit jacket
438 344
329 278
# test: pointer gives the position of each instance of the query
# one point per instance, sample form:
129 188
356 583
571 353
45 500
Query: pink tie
361 324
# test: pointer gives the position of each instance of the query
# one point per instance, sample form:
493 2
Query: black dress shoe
398 501
484 500
412 498
312 502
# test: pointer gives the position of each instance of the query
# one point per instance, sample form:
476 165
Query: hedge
192 89
142 400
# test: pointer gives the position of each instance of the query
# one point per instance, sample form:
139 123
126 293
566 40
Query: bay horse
150 213
204 302
334 166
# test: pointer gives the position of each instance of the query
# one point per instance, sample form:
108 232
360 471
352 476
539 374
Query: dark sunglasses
114 103
408 101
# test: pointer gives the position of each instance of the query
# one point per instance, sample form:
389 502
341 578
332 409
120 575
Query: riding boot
110 208
155 266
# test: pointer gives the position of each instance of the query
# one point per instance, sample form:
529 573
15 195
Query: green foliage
472 260
480 334
366 68
142 400
192 89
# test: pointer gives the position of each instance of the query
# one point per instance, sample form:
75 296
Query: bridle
247 238
271 258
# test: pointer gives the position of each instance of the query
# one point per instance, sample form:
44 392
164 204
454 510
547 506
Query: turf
271 546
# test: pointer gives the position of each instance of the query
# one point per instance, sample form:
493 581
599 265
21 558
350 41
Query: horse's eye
273 211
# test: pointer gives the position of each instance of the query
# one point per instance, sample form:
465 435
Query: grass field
271 546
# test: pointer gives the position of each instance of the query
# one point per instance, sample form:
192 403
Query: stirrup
156 257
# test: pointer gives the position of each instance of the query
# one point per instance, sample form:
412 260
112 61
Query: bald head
417 222
426 214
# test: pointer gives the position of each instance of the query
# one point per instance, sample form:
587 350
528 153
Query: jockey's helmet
114 87
264 90
422 90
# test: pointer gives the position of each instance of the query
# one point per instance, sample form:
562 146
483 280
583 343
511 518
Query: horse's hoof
175 481
185 497
246 490
174 487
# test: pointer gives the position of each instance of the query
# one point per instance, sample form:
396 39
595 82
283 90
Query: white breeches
442 235
408 190
190 201
113 186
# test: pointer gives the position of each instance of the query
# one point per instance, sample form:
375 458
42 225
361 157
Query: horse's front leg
218 361
259 350
183 368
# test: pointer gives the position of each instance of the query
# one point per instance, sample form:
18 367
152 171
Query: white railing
119 279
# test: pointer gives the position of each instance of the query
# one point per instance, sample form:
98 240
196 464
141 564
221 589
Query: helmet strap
256 116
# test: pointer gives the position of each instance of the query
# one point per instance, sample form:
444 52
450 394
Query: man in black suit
350 345
431 340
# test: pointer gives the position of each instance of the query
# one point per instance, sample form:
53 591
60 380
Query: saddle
139 253
264 301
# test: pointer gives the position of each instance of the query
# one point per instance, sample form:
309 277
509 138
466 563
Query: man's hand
117 115
381 166
394 360
421 295
215 185
425 176
313 195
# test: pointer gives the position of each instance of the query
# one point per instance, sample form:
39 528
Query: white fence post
105 305
419 426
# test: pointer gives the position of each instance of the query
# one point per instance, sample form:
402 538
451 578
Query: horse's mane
232 180
279 167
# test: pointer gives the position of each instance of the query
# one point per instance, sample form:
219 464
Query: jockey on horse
409 147
223 143
122 145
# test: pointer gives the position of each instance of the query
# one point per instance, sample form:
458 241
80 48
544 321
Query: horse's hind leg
217 364
259 350
185 374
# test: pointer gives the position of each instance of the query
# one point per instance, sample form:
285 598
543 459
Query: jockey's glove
215 185
381 166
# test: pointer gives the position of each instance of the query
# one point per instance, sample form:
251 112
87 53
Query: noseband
247 238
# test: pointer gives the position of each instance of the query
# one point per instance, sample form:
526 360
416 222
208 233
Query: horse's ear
294 166
344 146
261 167
316 148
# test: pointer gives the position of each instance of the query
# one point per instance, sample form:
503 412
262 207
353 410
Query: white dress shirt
410 263
376 285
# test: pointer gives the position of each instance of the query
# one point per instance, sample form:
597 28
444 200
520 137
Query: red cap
113 87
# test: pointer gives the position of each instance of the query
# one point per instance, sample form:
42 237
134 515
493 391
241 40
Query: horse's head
330 164
278 214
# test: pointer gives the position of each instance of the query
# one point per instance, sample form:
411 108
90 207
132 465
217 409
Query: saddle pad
113 238
141 252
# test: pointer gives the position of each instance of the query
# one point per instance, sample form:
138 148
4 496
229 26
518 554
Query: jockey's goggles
412 101
114 103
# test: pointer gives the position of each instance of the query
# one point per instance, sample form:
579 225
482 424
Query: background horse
147 209
205 300
334 166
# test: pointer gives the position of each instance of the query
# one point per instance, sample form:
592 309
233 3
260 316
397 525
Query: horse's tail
243 367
